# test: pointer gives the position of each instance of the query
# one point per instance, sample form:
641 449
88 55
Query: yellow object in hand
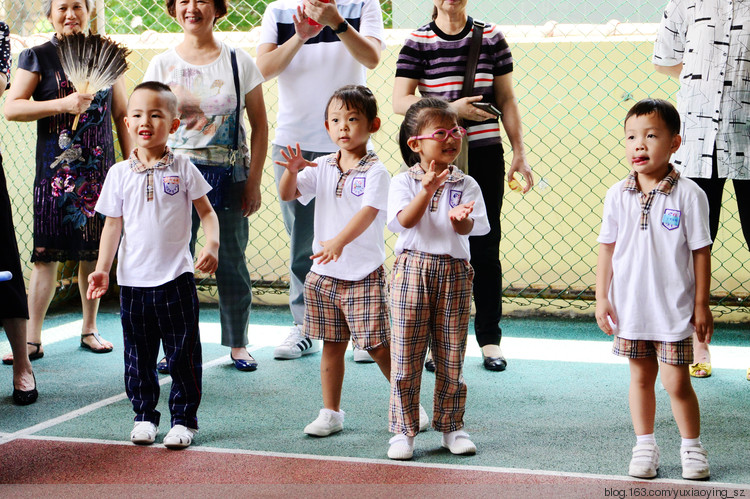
515 185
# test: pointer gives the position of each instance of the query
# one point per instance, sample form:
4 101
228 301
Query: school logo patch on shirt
171 185
455 198
671 219
358 186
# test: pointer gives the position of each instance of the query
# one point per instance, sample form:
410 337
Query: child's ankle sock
691 442
645 439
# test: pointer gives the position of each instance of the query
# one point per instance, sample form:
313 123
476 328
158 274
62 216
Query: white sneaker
458 442
295 346
144 433
179 437
424 419
362 356
327 422
645 461
401 447
694 463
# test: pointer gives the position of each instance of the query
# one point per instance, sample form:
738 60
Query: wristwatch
341 27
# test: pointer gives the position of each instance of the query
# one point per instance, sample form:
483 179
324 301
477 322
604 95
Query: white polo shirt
156 234
653 281
338 197
434 232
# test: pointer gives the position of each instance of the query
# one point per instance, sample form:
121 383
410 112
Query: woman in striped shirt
433 60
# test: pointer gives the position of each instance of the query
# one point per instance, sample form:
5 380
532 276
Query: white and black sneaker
295 346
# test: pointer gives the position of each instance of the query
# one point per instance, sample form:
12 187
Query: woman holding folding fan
435 60
70 168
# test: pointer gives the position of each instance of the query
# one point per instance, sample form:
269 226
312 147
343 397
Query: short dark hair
417 117
219 5
166 92
356 97
664 109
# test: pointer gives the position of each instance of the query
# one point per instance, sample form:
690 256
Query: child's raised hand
461 212
98 284
431 181
605 316
294 160
331 251
207 261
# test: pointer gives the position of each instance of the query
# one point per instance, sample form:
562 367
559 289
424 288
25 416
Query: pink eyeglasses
441 134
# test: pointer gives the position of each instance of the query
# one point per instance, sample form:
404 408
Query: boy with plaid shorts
345 291
148 202
652 282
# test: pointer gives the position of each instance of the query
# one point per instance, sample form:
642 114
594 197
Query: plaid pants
232 277
430 306
168 312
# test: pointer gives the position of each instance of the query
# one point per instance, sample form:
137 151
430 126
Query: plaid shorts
673 353
336 310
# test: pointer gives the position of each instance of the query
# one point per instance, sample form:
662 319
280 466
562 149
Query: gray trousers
299 222
232 276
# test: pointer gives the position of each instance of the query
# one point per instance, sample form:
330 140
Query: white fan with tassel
91 62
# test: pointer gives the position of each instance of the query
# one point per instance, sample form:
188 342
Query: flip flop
32 356
99 339
700 370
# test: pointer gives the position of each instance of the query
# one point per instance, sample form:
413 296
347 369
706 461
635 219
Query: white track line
5 438
410 464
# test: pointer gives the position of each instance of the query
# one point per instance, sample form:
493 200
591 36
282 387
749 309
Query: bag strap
471 63
236 74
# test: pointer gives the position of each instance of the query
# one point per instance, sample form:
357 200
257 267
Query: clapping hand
431 181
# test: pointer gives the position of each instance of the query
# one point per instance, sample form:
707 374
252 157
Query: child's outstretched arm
208 258
604 310
431 182
460 219
294 164
702 318
333 248
110 240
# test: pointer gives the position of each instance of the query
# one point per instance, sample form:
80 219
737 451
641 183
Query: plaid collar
664 187
364 164
416 172
138 167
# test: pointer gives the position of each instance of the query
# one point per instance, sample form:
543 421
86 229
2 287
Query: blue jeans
299 221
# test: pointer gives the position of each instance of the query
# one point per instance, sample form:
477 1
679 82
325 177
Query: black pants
487 167
714 189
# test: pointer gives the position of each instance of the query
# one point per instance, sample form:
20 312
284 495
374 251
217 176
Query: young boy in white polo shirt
345 290
148 199
652 282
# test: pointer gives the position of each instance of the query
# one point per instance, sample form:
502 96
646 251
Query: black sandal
99 339
32 356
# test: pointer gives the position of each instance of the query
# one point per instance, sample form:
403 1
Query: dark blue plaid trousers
168 313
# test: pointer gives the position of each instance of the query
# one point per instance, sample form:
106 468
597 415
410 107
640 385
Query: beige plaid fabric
430 305
668 352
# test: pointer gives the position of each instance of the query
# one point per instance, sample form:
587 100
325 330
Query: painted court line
409 464
89 408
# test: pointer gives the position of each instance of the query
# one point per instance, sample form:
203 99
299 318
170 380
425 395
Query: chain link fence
579 66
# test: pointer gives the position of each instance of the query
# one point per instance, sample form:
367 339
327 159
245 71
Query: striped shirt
438 62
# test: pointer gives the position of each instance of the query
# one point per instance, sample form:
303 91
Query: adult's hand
467 111
521 165
304 29
324 12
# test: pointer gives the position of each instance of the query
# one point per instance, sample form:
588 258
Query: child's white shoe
327 422
179 437
401 447
695 463
645 461
144 433
424 419
458 442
